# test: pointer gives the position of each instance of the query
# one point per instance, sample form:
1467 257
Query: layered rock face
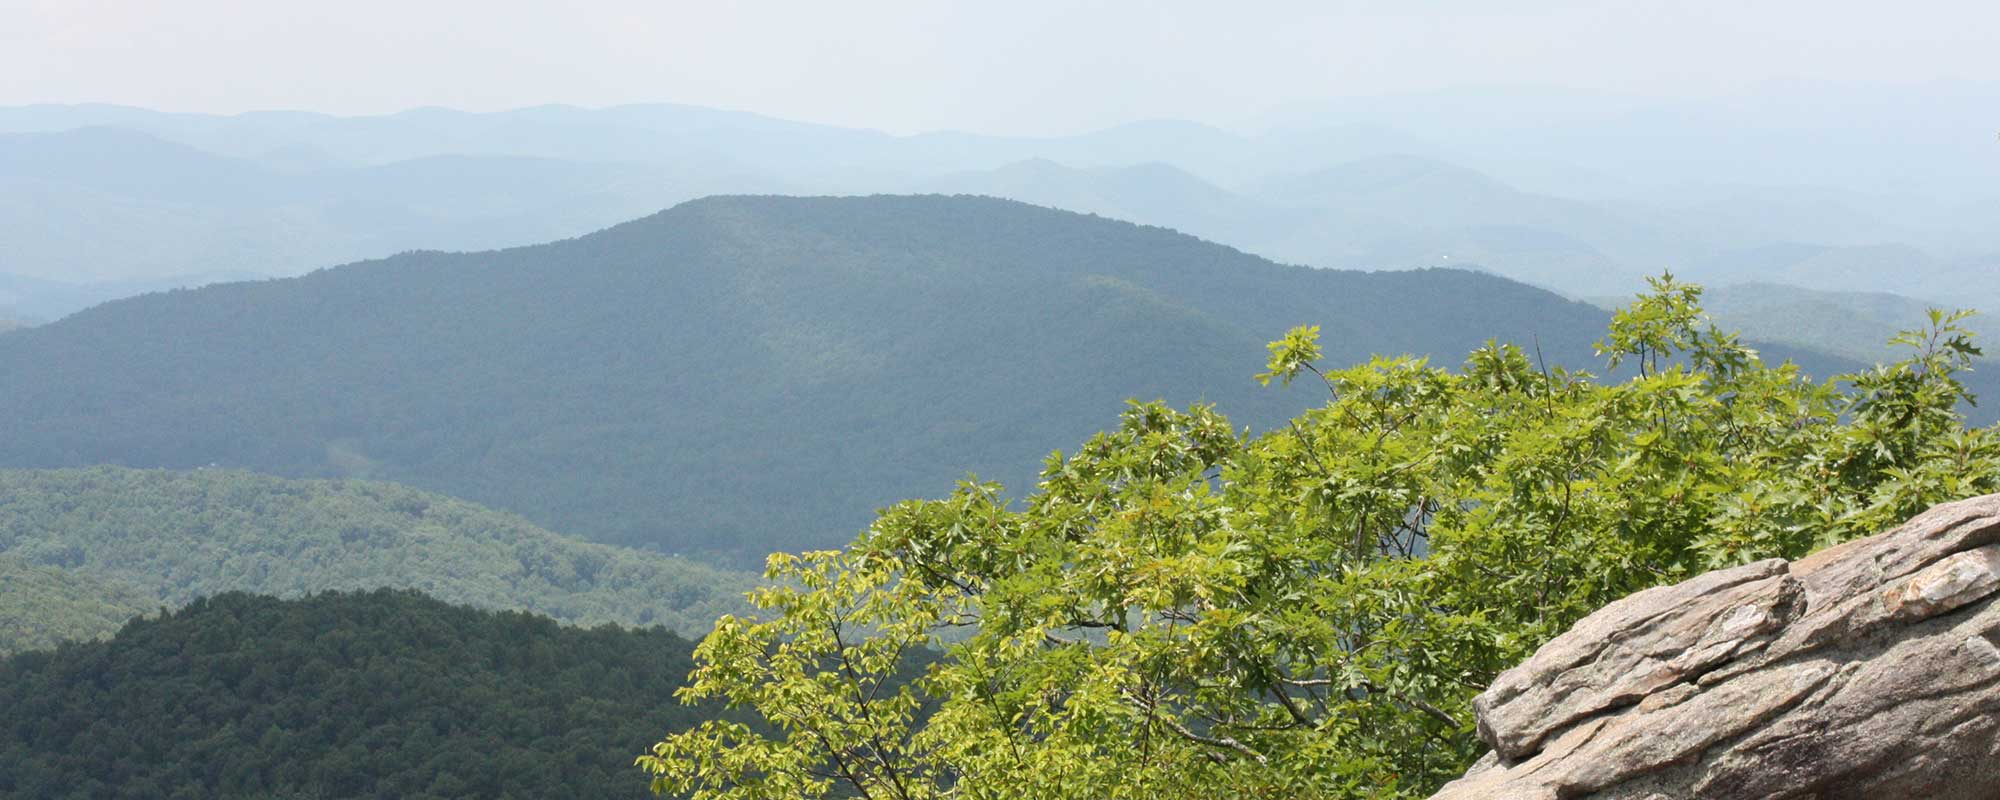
1867 670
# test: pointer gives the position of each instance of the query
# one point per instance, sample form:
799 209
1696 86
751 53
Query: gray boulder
1866 670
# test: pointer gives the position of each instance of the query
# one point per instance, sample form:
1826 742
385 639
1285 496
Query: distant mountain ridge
1855 325
128 211
1548 140
733 376
1582 193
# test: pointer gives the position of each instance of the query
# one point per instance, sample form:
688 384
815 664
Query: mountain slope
1853 324
1409 210
382 694
1382 212
26 301
729 377
43 606
123 541
1153 194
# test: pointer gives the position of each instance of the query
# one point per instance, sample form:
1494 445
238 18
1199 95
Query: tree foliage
42 606
385 694
1180 609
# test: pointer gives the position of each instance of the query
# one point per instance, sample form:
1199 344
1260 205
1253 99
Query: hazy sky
1006 66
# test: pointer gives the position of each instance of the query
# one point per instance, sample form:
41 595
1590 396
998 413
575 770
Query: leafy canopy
1180 609
378 694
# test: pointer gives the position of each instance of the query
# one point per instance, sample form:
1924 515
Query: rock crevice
1870 669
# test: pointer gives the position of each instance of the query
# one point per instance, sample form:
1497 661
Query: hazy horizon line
1246 126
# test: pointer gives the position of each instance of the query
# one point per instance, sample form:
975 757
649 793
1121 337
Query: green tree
379 694
1180 609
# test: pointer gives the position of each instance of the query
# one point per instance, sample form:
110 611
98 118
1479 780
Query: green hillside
102 543
732 376
381 694
1830 332
1853 324
43 606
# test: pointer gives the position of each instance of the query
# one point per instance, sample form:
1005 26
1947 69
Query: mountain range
1580 193
731 377
736 375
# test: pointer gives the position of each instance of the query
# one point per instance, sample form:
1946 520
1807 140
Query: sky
1008 67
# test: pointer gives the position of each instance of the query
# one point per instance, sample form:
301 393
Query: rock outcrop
1867 670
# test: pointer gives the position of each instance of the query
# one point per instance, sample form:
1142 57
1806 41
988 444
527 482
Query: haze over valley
1582 193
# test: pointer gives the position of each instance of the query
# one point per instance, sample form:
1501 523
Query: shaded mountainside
1151 194
25 302
96 546
379 694
729 377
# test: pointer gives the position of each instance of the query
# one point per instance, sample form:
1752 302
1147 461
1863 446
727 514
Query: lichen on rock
1870 669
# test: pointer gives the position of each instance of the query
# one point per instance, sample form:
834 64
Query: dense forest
42 606
734 376
1178 609
83 549
382 694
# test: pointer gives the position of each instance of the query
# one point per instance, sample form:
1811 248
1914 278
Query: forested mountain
83 550
1388 212
379 694
28 301
733 376
1153 193
42 606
